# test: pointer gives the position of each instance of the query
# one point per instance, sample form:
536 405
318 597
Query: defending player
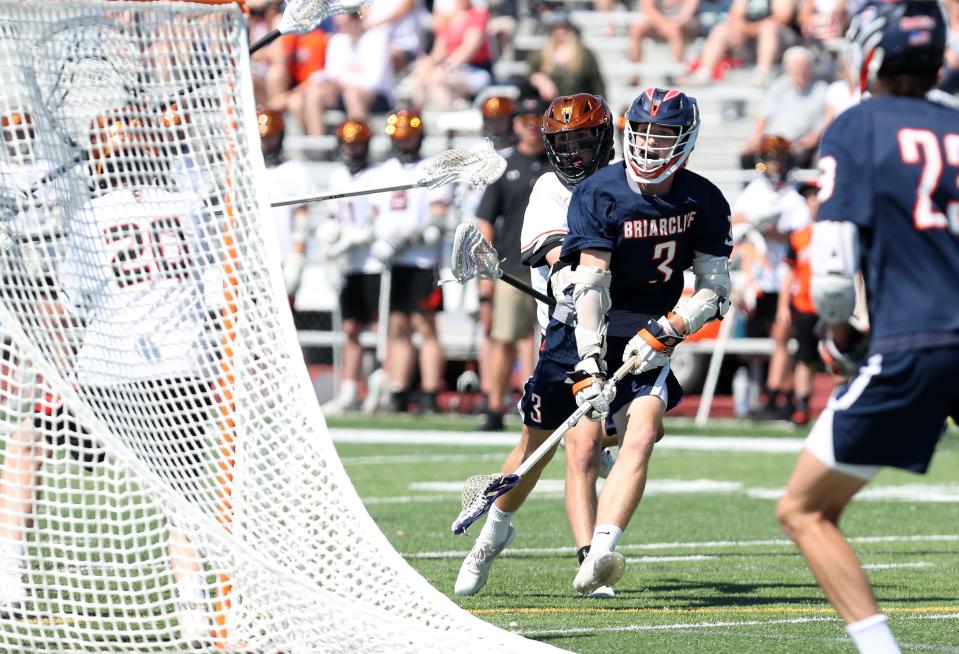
633 229
888 170
578 131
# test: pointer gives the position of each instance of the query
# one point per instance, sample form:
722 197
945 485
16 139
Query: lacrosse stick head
302 16
479 166
479 493
473 256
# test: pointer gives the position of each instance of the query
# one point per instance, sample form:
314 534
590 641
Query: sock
348 390
873 635
190 587
802 403
605 538
772 398
581 553
496 527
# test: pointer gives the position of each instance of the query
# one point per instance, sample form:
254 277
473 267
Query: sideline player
633 229
888 169
347 235
578 131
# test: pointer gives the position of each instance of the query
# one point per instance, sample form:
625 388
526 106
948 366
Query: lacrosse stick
478 167
474 256
480 491
301 16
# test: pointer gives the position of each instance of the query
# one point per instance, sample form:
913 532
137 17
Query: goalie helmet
892 38
578 132
272 128
405 129
123 148
498 112
19 134
775 159
659 134
353 137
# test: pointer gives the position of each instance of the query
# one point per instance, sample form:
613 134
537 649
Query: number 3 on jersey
921 146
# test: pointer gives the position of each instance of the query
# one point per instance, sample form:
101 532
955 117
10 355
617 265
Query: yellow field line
699 610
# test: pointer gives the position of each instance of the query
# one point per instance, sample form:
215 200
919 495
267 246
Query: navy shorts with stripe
894 410
548 398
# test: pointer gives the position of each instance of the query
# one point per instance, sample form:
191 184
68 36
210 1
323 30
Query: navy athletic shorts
548 398
891 413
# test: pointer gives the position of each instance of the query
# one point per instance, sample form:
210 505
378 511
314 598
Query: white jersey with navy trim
544 226
355 217
140 274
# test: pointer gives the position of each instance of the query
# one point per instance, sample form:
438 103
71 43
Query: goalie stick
474 256
478 167
480 491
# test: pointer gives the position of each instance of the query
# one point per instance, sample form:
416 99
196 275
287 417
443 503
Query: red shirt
456 27
305 54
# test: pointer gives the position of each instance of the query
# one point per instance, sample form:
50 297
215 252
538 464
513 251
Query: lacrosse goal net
163 455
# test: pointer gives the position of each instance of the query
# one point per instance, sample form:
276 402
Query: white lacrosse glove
383 250
653 344
293 272
591 388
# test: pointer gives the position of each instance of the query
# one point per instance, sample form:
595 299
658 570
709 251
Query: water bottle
741 392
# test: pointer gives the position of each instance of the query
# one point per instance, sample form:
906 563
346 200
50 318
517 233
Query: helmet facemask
575 154
655 151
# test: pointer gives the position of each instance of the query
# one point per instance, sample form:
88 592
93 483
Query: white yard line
698 545
941 493
784 445
418 458
894 566
557 486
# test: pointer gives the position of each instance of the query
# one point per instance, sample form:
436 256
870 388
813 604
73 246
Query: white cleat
13 593
340 405
476 566
377 392
597 571
603 592
606 461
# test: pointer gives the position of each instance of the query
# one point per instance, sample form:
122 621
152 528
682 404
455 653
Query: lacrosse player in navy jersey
888 175
633 229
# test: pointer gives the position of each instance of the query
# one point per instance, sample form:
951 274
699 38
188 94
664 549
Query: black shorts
760 322
415 290
359 298
168 423
61 429
804 331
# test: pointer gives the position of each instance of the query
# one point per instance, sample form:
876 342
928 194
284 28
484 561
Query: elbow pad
711 299
592 301
834 263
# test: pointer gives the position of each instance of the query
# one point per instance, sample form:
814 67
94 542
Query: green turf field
707 568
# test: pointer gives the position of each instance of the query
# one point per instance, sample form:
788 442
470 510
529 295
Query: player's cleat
606 461
13 593
377 392
476 566
341 404
603 592
195 625
597 571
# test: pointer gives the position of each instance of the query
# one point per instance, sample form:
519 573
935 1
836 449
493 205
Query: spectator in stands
673 21
793 108
286 179
821 21
408 238
771 205
507 315
359 74
798 313
346 237
460 63
763 21
564 66
264 15
950 80
402 23
840 95
294 60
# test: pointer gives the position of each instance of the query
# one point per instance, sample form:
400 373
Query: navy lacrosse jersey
651 238
891 166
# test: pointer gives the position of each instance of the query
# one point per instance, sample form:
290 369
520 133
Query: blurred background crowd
368 97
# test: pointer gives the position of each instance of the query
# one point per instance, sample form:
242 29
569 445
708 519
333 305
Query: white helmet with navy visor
896 37
653 153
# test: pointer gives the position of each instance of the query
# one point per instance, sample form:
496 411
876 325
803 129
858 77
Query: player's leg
358 304
428 298
400 358
19 479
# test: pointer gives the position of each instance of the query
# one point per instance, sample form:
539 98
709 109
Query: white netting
167 481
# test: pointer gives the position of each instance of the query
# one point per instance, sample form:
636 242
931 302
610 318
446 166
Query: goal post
160 437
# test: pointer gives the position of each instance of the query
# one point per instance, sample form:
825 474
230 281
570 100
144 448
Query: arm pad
711 299
834 263
592 301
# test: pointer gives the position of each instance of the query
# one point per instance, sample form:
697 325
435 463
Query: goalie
633 229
